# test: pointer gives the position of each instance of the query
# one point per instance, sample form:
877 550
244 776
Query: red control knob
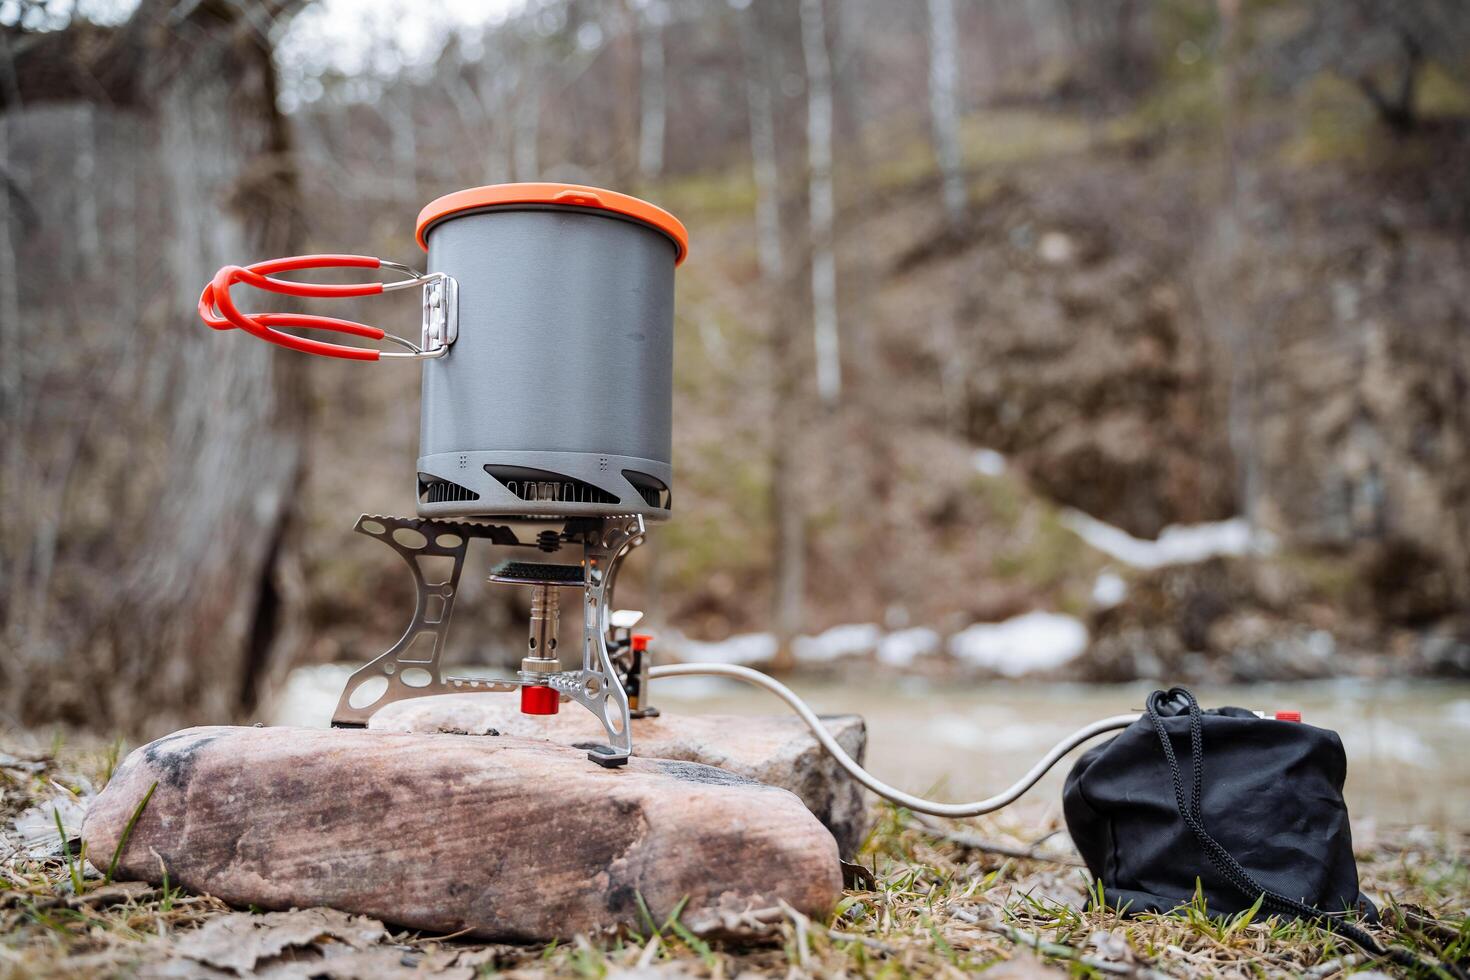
538 699
640 641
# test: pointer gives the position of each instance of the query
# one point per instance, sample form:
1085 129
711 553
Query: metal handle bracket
438 331
441 314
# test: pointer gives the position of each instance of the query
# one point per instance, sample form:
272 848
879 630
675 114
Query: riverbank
1404 738
942 903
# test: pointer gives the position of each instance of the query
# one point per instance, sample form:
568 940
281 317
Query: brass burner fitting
541 656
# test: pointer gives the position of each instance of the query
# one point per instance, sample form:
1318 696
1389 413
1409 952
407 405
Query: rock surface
503 838
775 749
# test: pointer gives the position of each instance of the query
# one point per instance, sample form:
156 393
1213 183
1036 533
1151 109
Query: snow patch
957 730
902 648
988 462
1177 544
1018 646
1056 248
1457 713
1108 590
743 648
698 688
1321 644
977 733
310 695
849 640
1388 742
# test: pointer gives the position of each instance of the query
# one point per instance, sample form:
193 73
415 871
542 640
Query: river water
1408 743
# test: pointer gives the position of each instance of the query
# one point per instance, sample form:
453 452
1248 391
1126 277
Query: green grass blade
72 866
674 915
695 943
127 832
646 916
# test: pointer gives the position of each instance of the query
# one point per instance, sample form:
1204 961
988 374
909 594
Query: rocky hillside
1142 320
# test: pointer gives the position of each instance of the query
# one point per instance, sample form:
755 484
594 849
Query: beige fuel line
915 803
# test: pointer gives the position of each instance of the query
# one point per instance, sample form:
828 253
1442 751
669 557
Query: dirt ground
949 900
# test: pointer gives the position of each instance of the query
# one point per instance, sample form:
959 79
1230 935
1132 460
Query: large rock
774 749
503 838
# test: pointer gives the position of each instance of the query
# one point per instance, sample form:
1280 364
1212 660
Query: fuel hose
915 803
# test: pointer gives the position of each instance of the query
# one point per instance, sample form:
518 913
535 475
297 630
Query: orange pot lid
570 195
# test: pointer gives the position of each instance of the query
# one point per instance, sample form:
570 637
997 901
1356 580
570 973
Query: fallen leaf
36 827
177 968
385 962
655 971
18 764
240 940
1023 965
857 877
1111 945
486 956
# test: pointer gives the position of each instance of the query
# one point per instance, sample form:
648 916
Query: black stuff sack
1240 804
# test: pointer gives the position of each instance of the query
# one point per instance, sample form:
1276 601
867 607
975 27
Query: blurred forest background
1136 333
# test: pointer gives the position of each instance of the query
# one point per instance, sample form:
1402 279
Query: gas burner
612 682
546 351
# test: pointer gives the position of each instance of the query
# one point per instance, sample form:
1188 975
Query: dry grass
947 900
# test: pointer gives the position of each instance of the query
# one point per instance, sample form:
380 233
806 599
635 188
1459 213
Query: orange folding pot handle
441 306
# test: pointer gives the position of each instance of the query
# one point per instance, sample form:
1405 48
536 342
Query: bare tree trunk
1045 30
651 91
12 458
402 142
164 603
485 102
788 564
944 111
624 28
475 117
766 166
527 118
1232 234
852 32
492 90
1397 112
84 170
821 196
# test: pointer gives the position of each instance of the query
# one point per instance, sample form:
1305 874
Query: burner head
538 573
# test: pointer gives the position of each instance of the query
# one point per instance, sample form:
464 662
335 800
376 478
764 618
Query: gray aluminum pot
555 398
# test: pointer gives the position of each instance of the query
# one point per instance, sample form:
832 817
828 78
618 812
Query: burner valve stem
541 657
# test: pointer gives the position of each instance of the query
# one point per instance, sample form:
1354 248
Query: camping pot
547 348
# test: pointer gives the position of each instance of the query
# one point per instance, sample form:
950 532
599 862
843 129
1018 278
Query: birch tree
788 553
821 200
527 112
765 164
944 115
477 117
852 94
651 94
84 173
396 110
491 88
